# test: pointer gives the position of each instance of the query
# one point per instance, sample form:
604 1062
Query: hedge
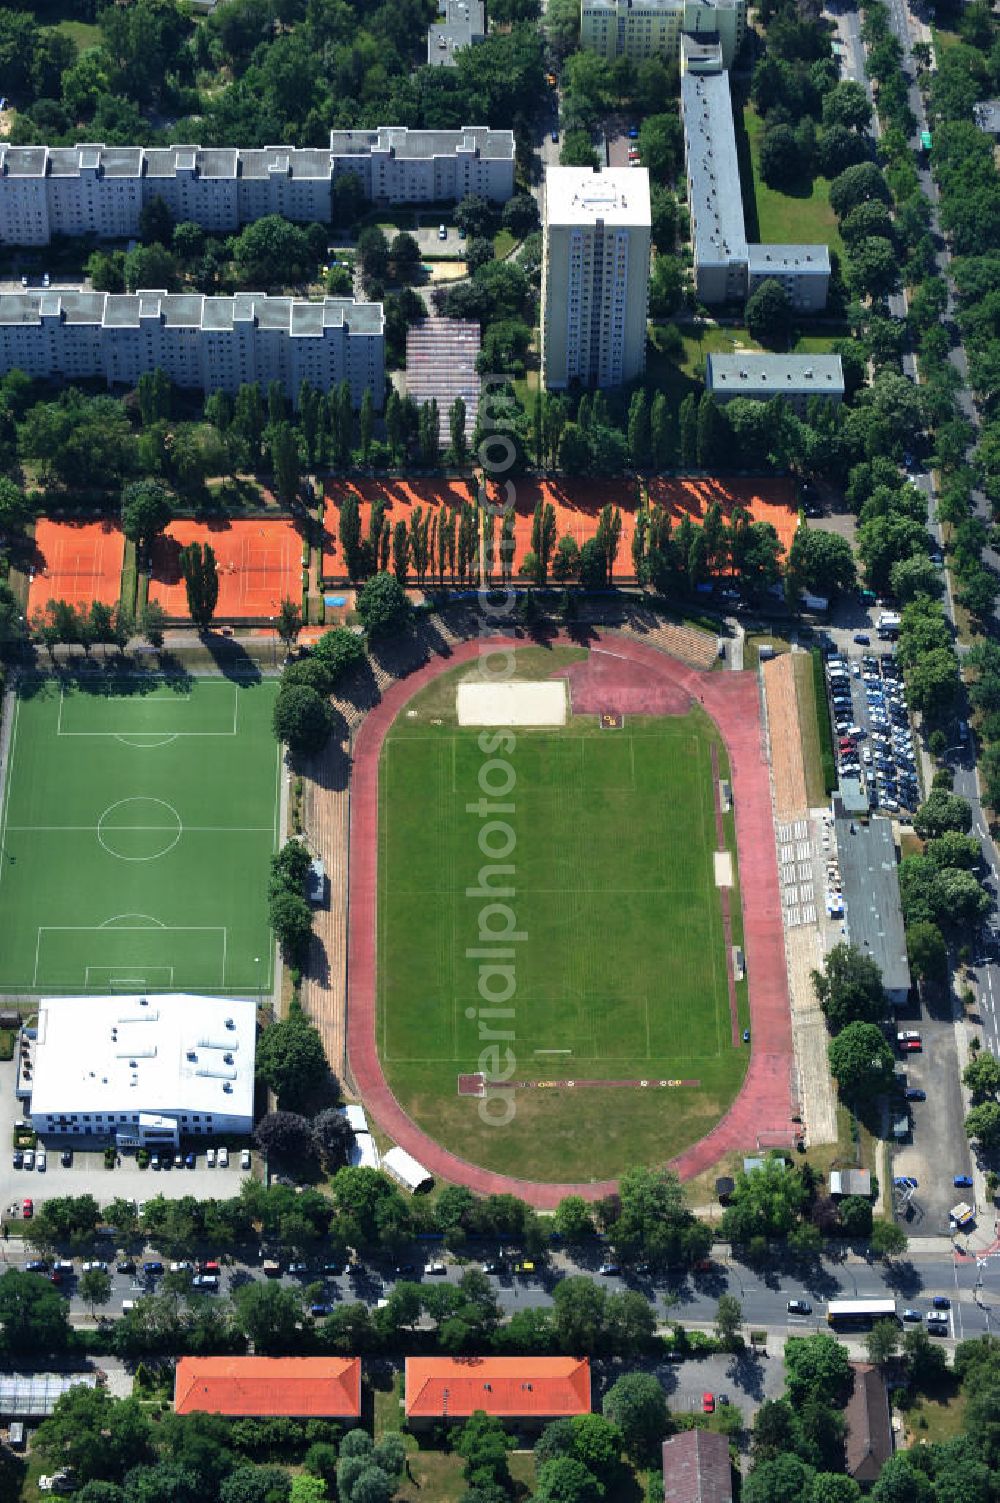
828 761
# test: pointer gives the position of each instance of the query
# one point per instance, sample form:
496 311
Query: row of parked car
881 754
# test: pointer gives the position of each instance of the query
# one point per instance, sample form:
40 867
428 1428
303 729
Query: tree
268 1315
855 1213
155 222
307 1489
291 1061
382 605
882 1342
95 1287
456 429
285 462
339 650
728 1321
93 1434
476 216
145 511
873 267
289 621
573 1220
822 561
332 1138
284 1133
781 162
861 1061
888 1240
769 315
33 1315
520 215
774 1481
915 576
301 718
201 581
849 988
767 1202
14 507
151 266
942 811
565 1479
847 104
927 952
858 185
637 1404
982 1076
817 1367
982 1125
661 145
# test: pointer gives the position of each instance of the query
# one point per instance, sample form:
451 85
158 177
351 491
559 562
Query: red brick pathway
763 1109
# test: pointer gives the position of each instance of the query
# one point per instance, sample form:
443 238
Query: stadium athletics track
78 562
762 1112
259 565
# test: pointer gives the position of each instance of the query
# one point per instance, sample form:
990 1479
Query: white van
40 1160
127 1305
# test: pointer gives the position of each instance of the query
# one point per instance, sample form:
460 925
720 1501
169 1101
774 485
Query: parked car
210 1157
36 1265
125 1265
94 1263
208 1281
181 1265
29 1158
910 1314
154 1161
152 1268
66 1158
189 1160
40 1159
799 1307
298 1268
941 1302
913 1093
708 1403
862 638
962 1181
609 1270
28 1208
223 1157
245 1158
18 1159
435 1268
318 1311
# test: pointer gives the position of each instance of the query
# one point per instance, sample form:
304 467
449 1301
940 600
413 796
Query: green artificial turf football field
139 816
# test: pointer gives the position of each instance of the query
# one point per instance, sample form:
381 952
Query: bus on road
859 1313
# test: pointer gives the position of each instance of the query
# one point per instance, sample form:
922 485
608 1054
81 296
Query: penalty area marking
171 735
154 927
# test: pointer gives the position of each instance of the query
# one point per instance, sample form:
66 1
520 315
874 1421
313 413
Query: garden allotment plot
138 819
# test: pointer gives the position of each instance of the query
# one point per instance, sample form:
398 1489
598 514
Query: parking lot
86 1175
872 734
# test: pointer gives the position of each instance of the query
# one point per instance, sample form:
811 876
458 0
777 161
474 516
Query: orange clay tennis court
771 500
578 505
79 563
400 498
259 565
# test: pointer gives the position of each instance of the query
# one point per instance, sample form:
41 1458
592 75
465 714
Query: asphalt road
932 1268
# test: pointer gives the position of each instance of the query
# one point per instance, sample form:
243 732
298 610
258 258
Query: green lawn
80 32
138 819
621 971
785 218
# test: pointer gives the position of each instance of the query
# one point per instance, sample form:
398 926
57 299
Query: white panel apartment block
100 190
200 342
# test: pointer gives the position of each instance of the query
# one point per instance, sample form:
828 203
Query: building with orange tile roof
292 1387
530 1390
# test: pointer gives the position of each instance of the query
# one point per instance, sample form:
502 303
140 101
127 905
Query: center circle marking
158 821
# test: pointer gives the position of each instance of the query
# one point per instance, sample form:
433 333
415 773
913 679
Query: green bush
8 1038
827 760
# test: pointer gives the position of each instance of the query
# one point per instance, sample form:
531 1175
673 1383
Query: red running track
762 1111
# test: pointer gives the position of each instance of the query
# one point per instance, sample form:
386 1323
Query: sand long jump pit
512 703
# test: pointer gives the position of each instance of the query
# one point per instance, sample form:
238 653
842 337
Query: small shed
316 883
405 1170
850 1182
